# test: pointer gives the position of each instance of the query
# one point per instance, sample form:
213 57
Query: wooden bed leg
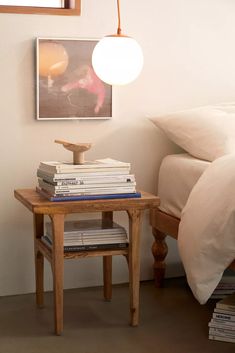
159 251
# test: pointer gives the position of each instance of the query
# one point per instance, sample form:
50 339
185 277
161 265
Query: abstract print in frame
67 86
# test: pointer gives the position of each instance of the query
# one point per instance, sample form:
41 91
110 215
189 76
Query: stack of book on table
222 324
103 178
89 235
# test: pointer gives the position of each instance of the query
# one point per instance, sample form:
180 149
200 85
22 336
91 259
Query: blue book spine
95 197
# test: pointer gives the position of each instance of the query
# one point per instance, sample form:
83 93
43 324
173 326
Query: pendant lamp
117 59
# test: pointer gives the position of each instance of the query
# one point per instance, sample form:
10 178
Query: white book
89 226
87 180
98 238
58 166
92 191
86 242
225 312
87 196
77 175
80 246
227 303
44 184
221 316
221 332
93 241
85 170
221 338
222 324
95 234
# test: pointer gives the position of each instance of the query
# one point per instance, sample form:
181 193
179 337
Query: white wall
189 60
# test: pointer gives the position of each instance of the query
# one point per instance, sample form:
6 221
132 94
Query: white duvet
206 236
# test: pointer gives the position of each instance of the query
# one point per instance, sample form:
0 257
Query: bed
177 176
197 193
179 173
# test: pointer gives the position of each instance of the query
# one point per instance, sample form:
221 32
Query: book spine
224 317
87 164
221 311
219 322
96 197
83 170
87 191
99 239
76 176
100 235
60 166
87 197
223 291
221 338
87 247
223 327
74 248
221 332
226 307
226 286
123 179
82 186
114 232
91 243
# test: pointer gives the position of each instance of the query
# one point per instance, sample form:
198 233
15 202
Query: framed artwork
67 86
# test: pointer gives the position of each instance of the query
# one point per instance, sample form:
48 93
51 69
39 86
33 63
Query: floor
171 321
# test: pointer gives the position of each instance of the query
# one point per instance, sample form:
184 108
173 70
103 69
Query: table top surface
36 203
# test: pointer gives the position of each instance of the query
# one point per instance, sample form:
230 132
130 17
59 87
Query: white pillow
206 132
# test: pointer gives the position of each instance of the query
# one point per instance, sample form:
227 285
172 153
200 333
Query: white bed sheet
177 176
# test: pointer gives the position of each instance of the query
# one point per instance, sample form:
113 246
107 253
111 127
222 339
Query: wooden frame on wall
67 86
71 8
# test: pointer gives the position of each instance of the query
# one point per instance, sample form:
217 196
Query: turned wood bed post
159 251
162 225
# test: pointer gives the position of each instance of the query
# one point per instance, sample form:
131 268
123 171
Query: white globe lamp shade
117 59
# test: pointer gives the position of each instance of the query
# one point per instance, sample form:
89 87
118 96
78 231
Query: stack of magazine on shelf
222 324
99 179
89 235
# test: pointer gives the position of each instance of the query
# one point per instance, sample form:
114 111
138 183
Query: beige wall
189 60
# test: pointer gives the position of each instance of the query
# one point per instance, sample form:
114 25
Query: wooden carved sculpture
78 150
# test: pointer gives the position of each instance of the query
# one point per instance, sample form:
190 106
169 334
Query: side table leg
58 269
107 220
38 223
107 275
134 264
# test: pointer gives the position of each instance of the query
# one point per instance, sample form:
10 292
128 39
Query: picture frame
42 7
66 84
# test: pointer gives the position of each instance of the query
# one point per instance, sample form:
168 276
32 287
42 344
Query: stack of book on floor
222 324
89 235
103 178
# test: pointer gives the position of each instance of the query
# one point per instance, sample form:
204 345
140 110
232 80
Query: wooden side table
57 212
